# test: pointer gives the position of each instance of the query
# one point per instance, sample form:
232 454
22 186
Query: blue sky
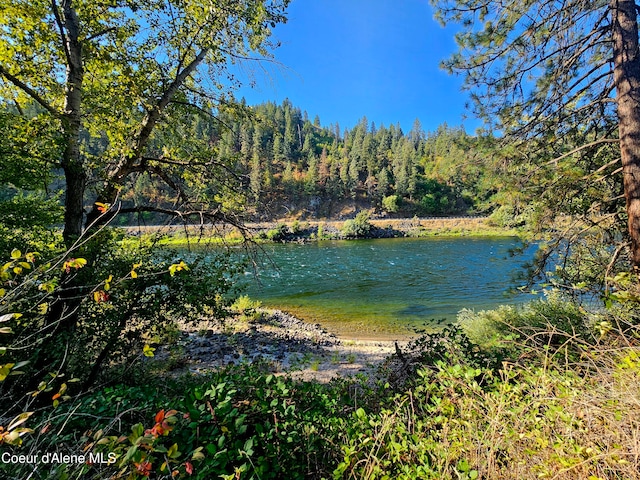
343 59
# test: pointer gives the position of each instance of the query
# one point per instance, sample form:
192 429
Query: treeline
290 164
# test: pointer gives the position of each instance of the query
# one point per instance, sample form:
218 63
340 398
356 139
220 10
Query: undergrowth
549 394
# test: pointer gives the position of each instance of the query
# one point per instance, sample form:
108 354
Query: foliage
108 96
522 422
551 323
29 146
278 233
358 227
466 411
298 167
507 216
247 308
517 408
25 221
239 423
390 203
122 313
543 76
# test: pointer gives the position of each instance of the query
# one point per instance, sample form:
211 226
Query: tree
122 72
563 78
119 85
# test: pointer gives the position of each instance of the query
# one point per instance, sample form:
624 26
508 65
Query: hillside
290 166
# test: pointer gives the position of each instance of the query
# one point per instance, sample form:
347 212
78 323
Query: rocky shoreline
282 343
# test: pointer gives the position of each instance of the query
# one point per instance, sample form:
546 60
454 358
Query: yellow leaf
134 274
148 351
102 207
19 420
43 308
76 263
47 286
15 253
197 454
176 267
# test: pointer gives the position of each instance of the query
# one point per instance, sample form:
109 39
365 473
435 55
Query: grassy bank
307 231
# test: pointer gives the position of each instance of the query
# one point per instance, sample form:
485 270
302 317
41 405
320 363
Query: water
376 288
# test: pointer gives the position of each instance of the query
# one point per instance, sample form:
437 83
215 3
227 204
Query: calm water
384 287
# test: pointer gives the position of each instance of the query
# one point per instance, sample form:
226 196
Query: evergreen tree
563 79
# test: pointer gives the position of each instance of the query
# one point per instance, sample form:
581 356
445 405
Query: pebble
278 337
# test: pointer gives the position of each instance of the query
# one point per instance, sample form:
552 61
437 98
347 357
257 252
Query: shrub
246 308
239 423
358 227
550 322
539 421
508 216
391 203
278 233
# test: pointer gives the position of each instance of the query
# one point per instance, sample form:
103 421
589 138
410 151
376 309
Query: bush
239 423
120 309
465 413
247 308
507 216
391 203
550 322
537 421
279 233
359 227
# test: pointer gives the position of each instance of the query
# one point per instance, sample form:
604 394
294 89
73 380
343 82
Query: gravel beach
283 343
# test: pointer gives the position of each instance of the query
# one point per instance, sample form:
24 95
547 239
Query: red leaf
143 468
159 416
189 468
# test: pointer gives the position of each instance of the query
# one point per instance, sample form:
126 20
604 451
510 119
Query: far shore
301 231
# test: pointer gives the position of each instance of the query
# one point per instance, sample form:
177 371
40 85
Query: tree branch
99 34
60 24
193 164
582 147
30 91
124 167
201 215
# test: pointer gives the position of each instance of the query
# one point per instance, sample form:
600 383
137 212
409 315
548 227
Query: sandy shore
283 343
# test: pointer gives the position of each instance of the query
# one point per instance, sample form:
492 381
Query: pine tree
563 79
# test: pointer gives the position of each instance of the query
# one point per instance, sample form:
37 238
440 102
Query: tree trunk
72 164
62 315
626 77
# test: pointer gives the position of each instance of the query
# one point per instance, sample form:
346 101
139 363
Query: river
379 288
